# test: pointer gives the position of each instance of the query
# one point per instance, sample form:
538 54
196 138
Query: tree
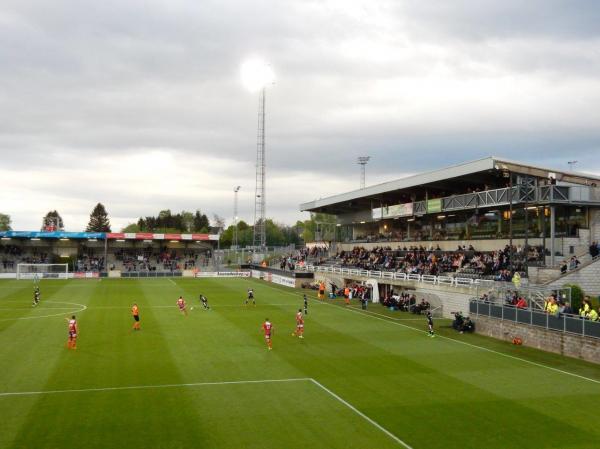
99 221
201 223
131 227
320 226
577 295
52 221
187 220
5 222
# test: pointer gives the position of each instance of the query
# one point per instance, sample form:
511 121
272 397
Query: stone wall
585 348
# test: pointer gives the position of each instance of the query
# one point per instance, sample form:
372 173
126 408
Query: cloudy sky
139 104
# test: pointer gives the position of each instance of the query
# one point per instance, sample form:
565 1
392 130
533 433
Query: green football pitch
358 380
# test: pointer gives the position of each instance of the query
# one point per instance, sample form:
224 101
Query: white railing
420 278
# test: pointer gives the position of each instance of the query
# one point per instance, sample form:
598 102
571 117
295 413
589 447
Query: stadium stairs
586 275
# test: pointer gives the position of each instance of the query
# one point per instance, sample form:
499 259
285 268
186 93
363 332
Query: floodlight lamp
256 74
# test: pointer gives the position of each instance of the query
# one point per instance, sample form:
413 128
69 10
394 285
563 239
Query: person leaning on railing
585 307
552 307
592 315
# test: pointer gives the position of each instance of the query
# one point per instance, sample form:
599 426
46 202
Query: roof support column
552 233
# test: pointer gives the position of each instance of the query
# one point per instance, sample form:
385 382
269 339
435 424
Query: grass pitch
358 380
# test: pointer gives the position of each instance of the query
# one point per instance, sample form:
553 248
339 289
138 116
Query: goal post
37 271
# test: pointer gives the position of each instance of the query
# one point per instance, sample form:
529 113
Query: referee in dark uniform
430 324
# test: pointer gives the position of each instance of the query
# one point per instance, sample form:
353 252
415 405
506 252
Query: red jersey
267 327
299 318
72 327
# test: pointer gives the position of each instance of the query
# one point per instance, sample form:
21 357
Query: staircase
587 276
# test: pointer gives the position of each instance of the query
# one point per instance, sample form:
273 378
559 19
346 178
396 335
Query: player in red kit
299 325
268 330
72 341
181 305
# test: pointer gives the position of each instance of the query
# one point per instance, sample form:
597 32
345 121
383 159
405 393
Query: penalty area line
207 384
152 387
359 413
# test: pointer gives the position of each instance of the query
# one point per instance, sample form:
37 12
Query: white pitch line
205 384
83 307
393 320
149 387
173 282
361 414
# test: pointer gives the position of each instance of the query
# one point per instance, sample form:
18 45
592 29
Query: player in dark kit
204 301
430 324
305 305
36 296
250 296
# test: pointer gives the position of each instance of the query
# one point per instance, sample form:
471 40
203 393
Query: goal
38 271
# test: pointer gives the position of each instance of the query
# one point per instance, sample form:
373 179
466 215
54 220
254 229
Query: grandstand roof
106 235
468 172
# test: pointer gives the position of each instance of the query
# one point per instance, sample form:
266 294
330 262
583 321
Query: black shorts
136 317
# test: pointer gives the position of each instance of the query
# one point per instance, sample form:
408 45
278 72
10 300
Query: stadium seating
466 263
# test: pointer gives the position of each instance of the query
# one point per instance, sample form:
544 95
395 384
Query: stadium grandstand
490 217
107 254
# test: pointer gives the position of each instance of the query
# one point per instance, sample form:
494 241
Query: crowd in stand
164 260
13 255
498 265
553 305
406 302
89 262
316 254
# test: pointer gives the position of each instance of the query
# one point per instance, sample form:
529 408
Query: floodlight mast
260 203
362 161
572 164
235 215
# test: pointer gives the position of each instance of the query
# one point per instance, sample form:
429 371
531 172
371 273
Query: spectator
521 303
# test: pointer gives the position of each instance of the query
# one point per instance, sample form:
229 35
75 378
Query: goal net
37 271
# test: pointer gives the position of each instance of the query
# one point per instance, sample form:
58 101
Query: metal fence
392 275
570 324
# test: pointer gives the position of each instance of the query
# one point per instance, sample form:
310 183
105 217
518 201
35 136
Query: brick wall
585 348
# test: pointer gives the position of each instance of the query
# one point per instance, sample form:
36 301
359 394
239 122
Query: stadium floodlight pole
257 75
571 164
235 215
362 161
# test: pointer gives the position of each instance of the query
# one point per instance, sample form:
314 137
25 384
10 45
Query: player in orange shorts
135 311
268 330
299 325
72 341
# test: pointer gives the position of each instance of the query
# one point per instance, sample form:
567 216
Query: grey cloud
89 80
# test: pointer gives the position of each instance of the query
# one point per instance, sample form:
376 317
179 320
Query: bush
577 295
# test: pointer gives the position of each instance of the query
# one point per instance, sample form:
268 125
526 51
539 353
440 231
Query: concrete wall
595 225
585 348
